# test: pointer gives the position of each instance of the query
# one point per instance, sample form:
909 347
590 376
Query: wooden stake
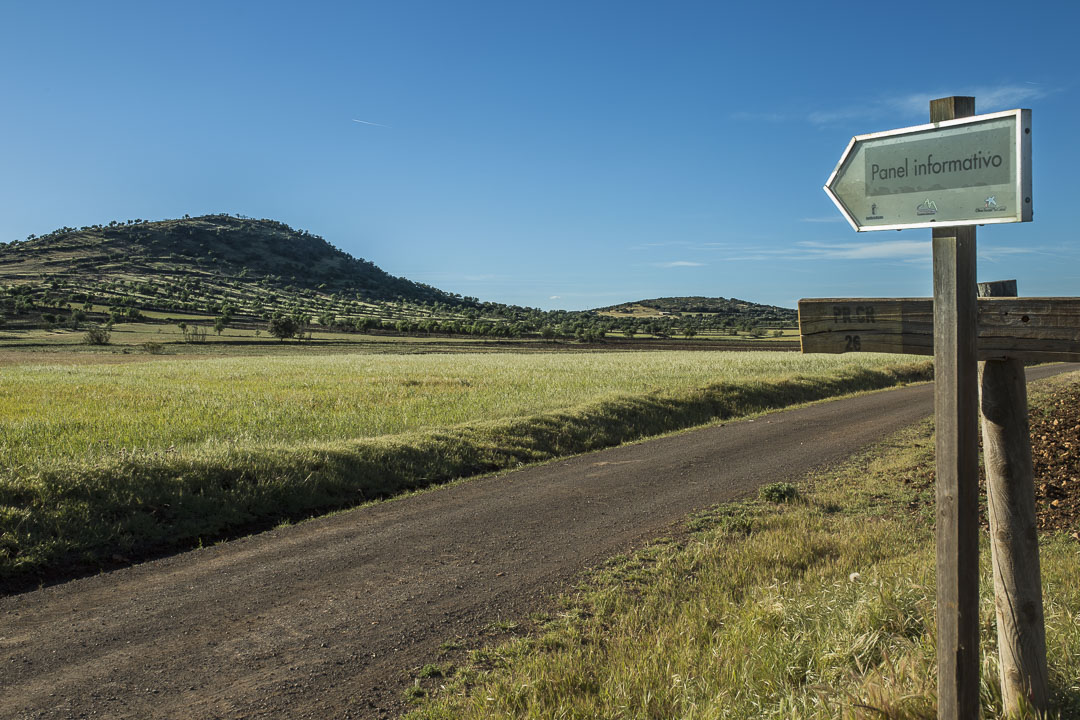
956 411
1014 548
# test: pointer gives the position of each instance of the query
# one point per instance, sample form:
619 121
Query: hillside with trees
213 248
690 316
218 271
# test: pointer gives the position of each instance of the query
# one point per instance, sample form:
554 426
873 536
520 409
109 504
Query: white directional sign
971 171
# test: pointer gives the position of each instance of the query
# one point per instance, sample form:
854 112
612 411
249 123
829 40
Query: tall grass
135 459
821 608
50 413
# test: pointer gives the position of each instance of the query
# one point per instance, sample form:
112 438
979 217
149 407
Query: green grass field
819 607
133 458
51 413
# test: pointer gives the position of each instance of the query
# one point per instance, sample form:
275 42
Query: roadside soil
1055 456
331 618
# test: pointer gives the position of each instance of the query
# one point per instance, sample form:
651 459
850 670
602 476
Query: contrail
365 122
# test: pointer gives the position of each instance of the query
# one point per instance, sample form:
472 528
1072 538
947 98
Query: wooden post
956 412
1014 548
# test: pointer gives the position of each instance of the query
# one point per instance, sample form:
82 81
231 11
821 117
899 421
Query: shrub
193 333
432 671
125 314
779 492
283 327
97 335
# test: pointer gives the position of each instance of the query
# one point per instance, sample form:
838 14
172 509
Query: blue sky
556 154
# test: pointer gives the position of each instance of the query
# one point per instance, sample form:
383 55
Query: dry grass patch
820 608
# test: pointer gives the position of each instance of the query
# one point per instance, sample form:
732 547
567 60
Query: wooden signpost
1028 329
1014 538
959 171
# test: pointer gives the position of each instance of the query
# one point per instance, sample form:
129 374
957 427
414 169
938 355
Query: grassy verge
88 511
819 606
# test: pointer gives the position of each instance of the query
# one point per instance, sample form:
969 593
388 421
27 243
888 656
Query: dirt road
324 619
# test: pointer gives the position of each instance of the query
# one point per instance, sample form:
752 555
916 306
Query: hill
237 271
696 305
699 315
211 247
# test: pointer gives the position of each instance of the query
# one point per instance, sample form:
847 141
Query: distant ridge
726 307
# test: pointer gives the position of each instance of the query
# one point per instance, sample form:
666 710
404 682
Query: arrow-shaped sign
971 171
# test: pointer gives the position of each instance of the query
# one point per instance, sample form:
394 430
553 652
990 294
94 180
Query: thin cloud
917 105
666 243
367 122
686 245
890 250
987 99
879 250
915 252
589 295
678 263
998 254
438 277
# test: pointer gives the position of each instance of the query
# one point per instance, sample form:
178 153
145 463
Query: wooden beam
956 411
1028 329
839 325
1014 542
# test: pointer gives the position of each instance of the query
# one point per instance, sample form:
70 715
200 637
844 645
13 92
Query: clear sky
552 154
